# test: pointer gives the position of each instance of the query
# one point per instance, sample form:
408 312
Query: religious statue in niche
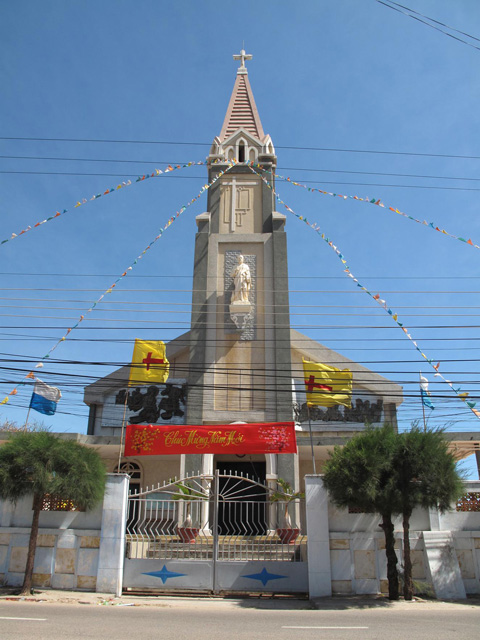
242 281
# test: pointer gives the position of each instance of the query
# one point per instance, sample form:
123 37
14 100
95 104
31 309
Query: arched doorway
134 470
246 513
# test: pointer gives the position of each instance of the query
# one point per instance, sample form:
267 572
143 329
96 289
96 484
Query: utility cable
427 23
209 144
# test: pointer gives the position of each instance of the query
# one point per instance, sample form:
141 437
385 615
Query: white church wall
158 469
21 516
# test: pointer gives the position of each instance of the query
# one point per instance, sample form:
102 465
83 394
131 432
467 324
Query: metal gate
216 533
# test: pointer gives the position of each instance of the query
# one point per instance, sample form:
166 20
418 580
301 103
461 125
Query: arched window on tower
241 152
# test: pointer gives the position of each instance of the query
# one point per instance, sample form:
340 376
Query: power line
21 358
125 340
208 144
172 310
189 276
369 173
169 177
436 21
372 313
290 291
414 17
160 326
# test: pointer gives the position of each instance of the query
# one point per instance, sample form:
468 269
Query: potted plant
186 531
285 494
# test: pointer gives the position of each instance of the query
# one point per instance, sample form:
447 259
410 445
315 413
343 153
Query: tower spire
242 111
242 136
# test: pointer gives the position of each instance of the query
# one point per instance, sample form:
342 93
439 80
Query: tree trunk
407 560
392 571
32 545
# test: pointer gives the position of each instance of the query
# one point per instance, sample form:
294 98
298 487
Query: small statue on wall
242 281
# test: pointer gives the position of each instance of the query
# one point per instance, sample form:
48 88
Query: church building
240 361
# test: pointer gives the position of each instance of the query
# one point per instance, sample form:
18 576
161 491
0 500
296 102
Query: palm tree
359 474
425 476
41 463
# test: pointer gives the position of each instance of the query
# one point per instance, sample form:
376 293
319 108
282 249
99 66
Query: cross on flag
327 386
149 363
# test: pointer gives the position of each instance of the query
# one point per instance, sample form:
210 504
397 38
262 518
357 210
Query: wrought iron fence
224 518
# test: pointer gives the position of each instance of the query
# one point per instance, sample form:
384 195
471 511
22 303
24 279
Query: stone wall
64 559
346 552
75 550
445 549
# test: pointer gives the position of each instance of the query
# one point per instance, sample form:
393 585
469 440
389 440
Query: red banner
261 437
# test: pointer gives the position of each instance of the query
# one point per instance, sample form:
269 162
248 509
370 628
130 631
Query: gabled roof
242 111
363 378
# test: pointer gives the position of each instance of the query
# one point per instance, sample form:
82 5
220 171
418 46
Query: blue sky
351 75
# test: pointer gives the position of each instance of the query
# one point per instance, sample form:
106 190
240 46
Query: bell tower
240 362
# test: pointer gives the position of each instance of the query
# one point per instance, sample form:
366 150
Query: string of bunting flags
170 221
155 174
457 390
375 201
158 172
256 169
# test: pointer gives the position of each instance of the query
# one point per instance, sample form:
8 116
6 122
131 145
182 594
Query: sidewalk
52 596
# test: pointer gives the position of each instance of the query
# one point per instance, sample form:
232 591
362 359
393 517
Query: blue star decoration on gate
264 576
164 574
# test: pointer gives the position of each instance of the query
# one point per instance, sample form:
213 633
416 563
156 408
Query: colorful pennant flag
327 386
375 297
425 393
44 398
375 201
149 363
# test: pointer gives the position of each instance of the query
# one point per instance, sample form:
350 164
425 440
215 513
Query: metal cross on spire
243 56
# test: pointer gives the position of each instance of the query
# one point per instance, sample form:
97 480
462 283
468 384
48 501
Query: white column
207 470
112 538
271 481
318 545
233 206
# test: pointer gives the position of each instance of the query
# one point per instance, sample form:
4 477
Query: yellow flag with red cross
326 385
149 363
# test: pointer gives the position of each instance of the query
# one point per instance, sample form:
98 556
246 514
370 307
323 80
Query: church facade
240 361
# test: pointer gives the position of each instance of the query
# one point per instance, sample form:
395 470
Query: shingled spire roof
242 111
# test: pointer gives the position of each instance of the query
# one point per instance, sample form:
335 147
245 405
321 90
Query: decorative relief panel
152 404
243 204
362 411
237 205
365 408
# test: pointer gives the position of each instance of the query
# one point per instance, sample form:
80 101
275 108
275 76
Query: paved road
237 620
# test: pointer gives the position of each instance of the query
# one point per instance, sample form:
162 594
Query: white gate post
112 540
318 539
